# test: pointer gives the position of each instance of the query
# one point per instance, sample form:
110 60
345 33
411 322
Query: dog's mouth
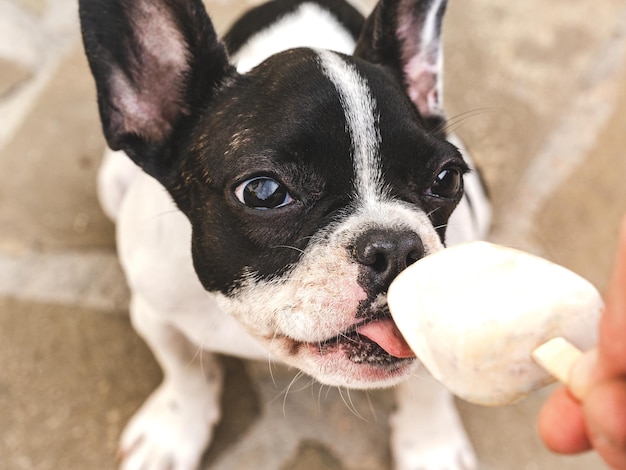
385 334
375 341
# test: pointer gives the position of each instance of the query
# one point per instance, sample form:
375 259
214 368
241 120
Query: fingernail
580 376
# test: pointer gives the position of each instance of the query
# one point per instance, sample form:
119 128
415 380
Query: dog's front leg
427 433
174 426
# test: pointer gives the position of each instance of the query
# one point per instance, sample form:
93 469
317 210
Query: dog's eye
262 193
448 184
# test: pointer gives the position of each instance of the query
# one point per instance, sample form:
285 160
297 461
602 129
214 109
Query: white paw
455 454
427 433
170 431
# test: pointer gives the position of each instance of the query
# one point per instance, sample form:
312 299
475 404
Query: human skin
597 421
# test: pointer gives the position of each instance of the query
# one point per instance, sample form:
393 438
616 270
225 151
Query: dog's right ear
405 35
154 61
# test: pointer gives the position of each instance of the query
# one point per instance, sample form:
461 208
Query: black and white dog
290 172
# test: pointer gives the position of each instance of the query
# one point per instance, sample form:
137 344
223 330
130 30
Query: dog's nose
386 253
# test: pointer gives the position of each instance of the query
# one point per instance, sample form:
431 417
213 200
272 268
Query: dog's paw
170 431
431 445
427 432
454 454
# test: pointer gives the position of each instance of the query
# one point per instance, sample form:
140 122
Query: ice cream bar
474 313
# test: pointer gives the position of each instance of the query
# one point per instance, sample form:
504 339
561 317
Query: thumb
612 347
608 360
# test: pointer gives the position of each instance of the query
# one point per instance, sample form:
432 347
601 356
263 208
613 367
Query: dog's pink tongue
385 333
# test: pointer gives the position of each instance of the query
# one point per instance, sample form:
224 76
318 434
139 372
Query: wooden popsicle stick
558 356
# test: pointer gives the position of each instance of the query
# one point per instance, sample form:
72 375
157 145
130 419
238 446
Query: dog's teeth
475 313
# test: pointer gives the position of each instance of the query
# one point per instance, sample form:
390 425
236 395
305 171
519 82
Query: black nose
384 253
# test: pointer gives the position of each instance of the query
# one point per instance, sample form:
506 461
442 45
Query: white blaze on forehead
359 108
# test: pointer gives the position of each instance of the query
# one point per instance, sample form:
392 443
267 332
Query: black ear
154 61
406 36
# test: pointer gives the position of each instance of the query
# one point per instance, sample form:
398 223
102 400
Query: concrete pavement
536 89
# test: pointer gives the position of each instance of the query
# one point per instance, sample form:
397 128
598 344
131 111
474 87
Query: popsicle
475 313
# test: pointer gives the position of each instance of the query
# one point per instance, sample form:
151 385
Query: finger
561 424
612 347
605 412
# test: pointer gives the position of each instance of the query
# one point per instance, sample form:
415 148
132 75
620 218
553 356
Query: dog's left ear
154 62
405 35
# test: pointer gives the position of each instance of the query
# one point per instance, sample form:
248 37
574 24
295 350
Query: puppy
270 206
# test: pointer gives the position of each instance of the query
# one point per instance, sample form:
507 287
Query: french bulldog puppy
268 188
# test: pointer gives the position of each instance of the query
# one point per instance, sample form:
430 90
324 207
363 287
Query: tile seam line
20 274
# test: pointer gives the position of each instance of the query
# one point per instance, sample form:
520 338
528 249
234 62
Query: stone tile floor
536 89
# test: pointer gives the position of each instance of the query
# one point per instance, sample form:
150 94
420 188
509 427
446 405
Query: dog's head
310 182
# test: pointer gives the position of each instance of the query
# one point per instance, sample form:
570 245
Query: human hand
598 421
